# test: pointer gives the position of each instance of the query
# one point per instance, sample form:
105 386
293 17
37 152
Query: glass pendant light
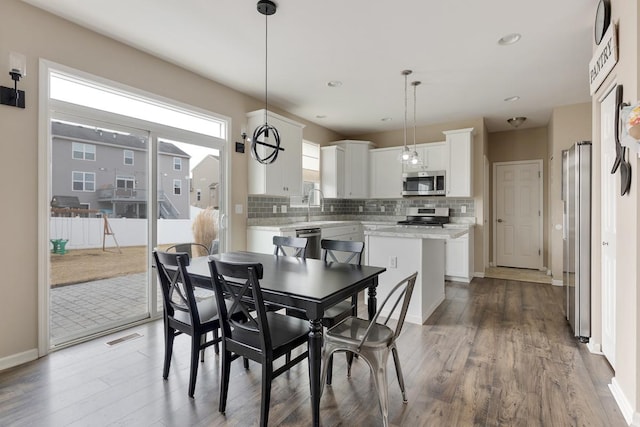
405 154
414 159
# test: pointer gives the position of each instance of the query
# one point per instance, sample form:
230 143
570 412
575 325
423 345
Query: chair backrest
295 246
400 292
239 283
345 251
193 249
177 290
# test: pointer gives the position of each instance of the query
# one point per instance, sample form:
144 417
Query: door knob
499 220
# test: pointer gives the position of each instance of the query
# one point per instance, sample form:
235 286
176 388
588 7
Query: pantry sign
604 59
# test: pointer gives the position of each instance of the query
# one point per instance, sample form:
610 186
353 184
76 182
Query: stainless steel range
427 217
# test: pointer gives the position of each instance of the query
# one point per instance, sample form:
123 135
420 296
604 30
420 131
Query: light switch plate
239 208
283 208
360 209
463 209
381 208
275 209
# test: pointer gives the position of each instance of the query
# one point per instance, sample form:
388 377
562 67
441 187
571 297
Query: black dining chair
183 312
264 337
348 252
193 249
290 246
373 341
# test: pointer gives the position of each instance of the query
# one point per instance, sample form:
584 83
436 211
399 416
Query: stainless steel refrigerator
576 196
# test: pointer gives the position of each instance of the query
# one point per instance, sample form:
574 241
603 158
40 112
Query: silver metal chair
373 341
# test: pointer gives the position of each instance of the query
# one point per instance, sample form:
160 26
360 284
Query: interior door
608 226
518 214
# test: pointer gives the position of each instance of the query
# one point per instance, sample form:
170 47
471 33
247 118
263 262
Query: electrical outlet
463 209
331 208
239 209
393 262
381 208
360 209
283 208
275 209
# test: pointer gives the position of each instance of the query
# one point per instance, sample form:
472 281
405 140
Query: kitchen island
405 249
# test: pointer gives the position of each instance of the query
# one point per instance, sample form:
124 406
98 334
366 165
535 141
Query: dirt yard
84 265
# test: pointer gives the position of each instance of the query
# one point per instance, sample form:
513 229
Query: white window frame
84 181
83 149
125 157
177 185
177 163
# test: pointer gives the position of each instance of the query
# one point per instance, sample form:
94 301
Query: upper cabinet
459 177
433 155
355 172
332 175
284 176
385 173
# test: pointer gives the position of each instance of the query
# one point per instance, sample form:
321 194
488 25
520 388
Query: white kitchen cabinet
261 240
284 176
459 258
356 168
459 177
385 173
433 155
332 174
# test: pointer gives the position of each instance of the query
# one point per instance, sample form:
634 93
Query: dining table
307 285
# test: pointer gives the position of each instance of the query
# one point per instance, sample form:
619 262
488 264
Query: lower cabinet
261 241
459 258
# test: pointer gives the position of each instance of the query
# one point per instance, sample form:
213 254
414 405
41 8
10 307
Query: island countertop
417 232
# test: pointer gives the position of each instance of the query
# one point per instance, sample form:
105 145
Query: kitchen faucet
309 202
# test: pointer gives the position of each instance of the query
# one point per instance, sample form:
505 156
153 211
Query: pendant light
415 158
405 155
266 135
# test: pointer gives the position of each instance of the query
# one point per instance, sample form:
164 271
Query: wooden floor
495 353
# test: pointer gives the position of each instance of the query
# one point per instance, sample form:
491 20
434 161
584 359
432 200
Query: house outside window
81 151
177 164
177 187
83 181
128 157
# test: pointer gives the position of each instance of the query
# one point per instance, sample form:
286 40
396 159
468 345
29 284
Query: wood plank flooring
495 353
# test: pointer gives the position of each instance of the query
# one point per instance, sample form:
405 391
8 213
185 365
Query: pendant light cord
266 67
405 111
415 87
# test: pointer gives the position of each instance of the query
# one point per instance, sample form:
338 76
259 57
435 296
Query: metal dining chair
373 341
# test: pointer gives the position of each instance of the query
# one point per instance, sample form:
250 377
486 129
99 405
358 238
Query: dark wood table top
311 285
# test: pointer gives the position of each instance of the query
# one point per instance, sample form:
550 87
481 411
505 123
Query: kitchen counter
300 225
418 232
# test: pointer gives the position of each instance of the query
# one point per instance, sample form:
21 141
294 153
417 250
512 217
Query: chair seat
351 331
207 309
338 312
285 331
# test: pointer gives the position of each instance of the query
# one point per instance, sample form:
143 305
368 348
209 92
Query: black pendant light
266 134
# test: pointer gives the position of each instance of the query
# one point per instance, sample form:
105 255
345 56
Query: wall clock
603 18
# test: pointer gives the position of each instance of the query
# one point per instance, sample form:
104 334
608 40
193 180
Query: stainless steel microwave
424 183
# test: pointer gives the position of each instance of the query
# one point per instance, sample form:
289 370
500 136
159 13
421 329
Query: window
128 157
311 171
177 187
177 164
198 194
83 181
83 151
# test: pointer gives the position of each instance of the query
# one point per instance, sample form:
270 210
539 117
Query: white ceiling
450 45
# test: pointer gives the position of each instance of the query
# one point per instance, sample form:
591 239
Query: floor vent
123 339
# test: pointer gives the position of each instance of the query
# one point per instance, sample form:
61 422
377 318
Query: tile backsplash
263 207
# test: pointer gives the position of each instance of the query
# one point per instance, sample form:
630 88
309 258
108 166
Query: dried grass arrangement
205 228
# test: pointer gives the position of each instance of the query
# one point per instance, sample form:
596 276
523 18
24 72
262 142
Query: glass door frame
50 109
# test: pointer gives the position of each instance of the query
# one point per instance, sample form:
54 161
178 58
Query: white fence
86 233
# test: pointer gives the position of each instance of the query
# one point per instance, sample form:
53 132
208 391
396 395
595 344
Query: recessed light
321 116
334 83
512 98
509 39
386 119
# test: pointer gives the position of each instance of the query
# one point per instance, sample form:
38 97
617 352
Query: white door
608 226
518 214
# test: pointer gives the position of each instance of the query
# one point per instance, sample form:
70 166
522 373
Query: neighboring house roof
205 158
104 137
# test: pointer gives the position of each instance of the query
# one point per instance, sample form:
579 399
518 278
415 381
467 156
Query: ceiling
451 46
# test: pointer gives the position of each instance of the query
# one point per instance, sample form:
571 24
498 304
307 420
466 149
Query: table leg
315 356
372 304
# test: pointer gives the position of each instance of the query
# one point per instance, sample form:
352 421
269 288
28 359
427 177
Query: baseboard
479 274
594 347
18 359
458 279
623 402
556 282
